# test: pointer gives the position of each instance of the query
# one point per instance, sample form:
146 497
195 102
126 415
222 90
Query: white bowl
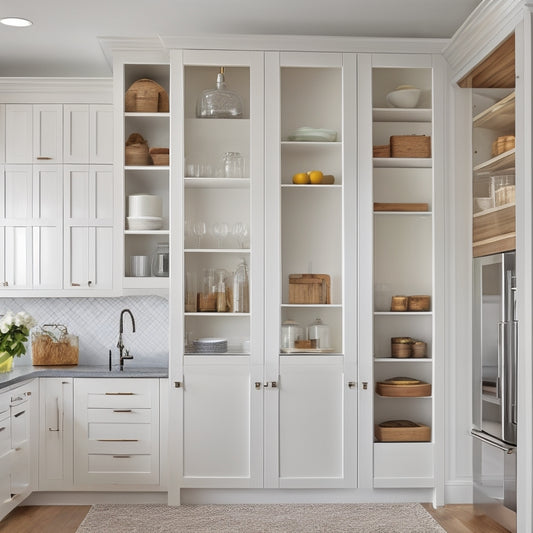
404 98
144 223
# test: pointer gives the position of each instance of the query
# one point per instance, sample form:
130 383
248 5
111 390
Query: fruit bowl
404 97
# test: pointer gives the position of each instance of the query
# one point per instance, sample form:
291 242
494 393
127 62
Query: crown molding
305 43
56 90
486 27
134 49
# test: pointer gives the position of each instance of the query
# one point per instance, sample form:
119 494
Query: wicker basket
136 151
381 151
503 144
419 303
399 303
160 156
410 146
146 96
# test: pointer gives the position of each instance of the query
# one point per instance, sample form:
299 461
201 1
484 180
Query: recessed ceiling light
16 21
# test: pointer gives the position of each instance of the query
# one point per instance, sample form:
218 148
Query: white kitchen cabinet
2 133
30 223
56 425
88 226
116 435
33 133
88 134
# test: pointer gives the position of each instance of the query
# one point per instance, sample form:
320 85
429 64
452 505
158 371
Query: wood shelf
402 162
494 230
505 161
499 116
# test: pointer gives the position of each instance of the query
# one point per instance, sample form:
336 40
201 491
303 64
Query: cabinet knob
365 385
5 284
351 384
257 385
89 283
178 384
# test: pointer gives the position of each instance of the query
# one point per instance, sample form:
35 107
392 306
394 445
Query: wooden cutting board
381 206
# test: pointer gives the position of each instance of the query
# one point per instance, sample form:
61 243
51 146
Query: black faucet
124 354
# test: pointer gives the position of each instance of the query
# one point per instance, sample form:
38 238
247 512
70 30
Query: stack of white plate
210 345
144 223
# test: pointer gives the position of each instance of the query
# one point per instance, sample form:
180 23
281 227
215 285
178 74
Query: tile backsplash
96 322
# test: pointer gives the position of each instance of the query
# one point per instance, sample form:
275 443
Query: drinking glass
220 231
199 230
240 233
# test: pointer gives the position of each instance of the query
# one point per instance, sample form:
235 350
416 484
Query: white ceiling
63 40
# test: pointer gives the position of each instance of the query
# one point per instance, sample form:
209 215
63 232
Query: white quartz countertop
23 373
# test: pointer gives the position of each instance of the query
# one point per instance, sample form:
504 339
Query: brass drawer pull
119 393
122 410
121 456
43 158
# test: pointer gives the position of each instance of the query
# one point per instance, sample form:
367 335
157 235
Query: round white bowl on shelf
144 223
407 98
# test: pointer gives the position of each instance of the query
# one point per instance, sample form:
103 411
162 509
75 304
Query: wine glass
240 232
220 231
199 230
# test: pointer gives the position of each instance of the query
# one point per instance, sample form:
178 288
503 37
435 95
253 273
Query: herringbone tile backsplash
96 322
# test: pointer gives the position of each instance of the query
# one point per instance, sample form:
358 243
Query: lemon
300 178
315 176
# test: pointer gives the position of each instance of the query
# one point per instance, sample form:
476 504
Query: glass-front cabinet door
217 262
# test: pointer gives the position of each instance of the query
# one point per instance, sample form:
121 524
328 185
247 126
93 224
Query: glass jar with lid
160 260
233 165
320 332
291 331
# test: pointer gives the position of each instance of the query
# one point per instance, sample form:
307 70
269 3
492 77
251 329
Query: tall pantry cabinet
259 414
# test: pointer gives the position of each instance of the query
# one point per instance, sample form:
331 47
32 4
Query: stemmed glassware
220 231
199 231
240 233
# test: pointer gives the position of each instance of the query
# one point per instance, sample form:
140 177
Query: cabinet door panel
2 133
77 257
47 133
311 425
47 252
101 134
47 194
217 422
76 133
18 192
77 204
17 249
101 257
102 187
19 120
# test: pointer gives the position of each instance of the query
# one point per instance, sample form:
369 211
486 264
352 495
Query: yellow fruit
300 178
315 176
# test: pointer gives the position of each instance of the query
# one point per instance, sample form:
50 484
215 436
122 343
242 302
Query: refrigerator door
495 346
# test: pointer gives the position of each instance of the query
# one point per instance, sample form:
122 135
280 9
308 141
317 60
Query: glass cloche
220 102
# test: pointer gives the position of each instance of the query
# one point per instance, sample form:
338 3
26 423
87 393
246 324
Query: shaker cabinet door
101 134
47 133
19 133
76 133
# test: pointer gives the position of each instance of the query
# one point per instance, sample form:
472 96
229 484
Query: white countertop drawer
122 468
119 438
117 393
120 416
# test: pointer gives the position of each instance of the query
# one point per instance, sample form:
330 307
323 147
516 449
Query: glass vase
7 365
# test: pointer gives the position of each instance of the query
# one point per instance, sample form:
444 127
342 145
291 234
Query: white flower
4 328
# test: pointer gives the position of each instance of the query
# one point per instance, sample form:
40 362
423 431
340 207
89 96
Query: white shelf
147 232
404 397
216 183
402 313
139 114
217 250
396 114
402 162
311 143
147 167
498 116
404 360
311 186
307 306
145 283
214 314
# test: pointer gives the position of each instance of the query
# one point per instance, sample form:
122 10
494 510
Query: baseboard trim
91 498
459 492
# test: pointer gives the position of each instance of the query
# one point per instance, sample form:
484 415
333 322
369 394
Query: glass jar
220 102
241 291
160 261
291 331
320 332
233 165
208 296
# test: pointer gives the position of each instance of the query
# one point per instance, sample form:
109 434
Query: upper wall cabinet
34 133
88 134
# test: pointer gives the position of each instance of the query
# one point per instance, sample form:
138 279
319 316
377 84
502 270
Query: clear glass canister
233 165
160 260
241 289
320 332
219 102
291 331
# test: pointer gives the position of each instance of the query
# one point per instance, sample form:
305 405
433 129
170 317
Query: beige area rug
277 518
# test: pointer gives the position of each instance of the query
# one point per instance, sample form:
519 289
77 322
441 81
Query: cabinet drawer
5 434
119 438
117 393
120 416
122 468
20 424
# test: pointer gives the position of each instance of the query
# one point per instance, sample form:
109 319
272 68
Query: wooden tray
403 391
402 207
402 431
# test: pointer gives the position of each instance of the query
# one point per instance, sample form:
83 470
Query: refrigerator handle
492 442
501 351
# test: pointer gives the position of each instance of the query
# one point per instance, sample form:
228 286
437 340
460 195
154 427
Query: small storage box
381 151
309 289
410 146
402 431
419 303
160 156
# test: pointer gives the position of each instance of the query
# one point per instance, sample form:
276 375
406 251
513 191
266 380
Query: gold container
399 303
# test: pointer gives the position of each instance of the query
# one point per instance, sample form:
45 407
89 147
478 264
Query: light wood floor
67 518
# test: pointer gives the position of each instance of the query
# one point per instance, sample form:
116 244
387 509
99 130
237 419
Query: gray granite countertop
23 373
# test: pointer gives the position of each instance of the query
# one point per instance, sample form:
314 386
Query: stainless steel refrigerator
494 421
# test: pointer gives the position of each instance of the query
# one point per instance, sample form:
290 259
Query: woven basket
410 146
503 144
160 156
146 96
136 151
